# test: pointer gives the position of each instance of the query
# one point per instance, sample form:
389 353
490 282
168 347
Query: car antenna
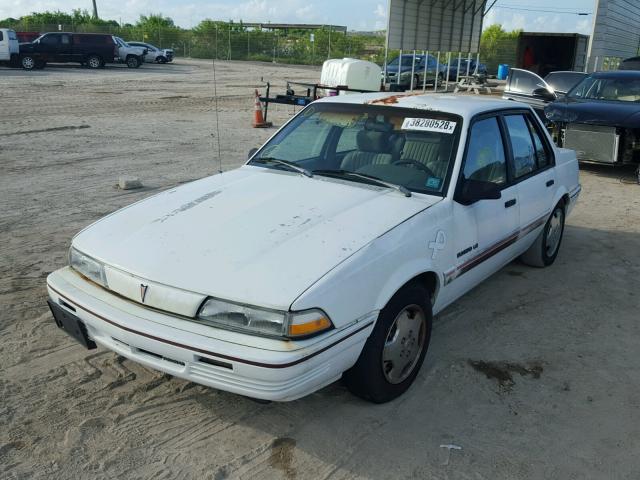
215 100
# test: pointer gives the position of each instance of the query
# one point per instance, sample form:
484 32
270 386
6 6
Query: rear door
525 86
65 49
532 163
485 231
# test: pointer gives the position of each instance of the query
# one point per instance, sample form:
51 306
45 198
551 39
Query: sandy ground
562 399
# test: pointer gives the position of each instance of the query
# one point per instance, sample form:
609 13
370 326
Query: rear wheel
545 249
395 350
94 61
133 62
28 62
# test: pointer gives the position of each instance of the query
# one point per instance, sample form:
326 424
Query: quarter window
524 157
485 154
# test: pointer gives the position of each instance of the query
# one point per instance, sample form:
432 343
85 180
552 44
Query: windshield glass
414 149
615 89
407 61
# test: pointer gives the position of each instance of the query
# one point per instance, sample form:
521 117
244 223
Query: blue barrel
503 71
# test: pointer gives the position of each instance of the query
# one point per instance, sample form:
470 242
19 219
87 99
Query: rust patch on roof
392 99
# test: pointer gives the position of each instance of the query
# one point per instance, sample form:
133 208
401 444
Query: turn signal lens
308 323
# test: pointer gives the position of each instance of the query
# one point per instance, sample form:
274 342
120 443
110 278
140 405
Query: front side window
411 148
486 161
50 40
524 157
65 39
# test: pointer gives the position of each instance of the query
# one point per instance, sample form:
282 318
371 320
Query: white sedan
329 252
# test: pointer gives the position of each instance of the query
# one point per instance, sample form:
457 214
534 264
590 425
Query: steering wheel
415 163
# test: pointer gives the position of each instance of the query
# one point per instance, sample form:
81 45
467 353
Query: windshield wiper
346 173
289 165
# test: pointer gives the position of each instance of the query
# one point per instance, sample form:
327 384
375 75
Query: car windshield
410 149
612 89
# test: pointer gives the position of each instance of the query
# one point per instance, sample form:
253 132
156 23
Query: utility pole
95 9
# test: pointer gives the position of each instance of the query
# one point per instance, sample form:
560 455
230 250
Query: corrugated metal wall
616 31
436 25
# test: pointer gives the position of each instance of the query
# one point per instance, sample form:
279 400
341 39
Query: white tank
352 73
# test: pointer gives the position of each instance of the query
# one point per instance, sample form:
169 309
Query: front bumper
258 367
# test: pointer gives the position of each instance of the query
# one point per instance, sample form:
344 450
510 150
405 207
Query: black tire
133 62
162 60
545 249
416 81
370 378
94 61
28 62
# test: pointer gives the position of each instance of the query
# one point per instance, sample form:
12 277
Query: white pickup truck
329 252
9 47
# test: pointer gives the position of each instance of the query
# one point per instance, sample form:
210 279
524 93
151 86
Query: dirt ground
535 373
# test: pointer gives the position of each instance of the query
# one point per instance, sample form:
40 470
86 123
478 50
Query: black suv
91 49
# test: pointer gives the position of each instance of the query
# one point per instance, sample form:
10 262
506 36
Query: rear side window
524 157
485 153
65 39
1 36
543 155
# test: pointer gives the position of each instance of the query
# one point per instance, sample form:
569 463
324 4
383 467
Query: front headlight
87 266
262 321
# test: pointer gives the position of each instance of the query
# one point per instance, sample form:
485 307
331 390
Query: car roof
464 105
617 74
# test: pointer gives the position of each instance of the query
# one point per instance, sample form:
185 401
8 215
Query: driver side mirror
544 94
472 191
251 152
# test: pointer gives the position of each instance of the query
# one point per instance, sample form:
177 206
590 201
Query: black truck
90 49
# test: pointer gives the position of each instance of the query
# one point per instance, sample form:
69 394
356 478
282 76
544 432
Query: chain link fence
234 42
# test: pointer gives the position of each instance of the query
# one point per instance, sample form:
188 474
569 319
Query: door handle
510 203
550 182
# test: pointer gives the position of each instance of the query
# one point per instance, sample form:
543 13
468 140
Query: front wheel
28 62
162 60
94 61
133 62
395 350
545 249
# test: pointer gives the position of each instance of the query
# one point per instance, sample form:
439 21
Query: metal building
616 31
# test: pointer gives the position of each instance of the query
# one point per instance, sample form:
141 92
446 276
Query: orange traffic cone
258 119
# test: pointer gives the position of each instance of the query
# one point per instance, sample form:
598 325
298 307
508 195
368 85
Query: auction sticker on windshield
429 125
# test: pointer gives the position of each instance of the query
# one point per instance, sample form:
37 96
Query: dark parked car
405 66
632 63
525 86
597 115
91 49
600 118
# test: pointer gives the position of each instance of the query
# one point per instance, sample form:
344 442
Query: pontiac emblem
143 291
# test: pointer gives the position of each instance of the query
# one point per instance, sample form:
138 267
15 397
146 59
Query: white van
9 46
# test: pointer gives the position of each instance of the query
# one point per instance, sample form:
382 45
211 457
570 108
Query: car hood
596 112
252 235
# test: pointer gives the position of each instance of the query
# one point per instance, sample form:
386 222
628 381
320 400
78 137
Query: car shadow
526 319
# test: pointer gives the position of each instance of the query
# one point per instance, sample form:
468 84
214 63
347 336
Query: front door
485 231
527 87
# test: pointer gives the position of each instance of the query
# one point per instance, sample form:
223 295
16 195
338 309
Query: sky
362 15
